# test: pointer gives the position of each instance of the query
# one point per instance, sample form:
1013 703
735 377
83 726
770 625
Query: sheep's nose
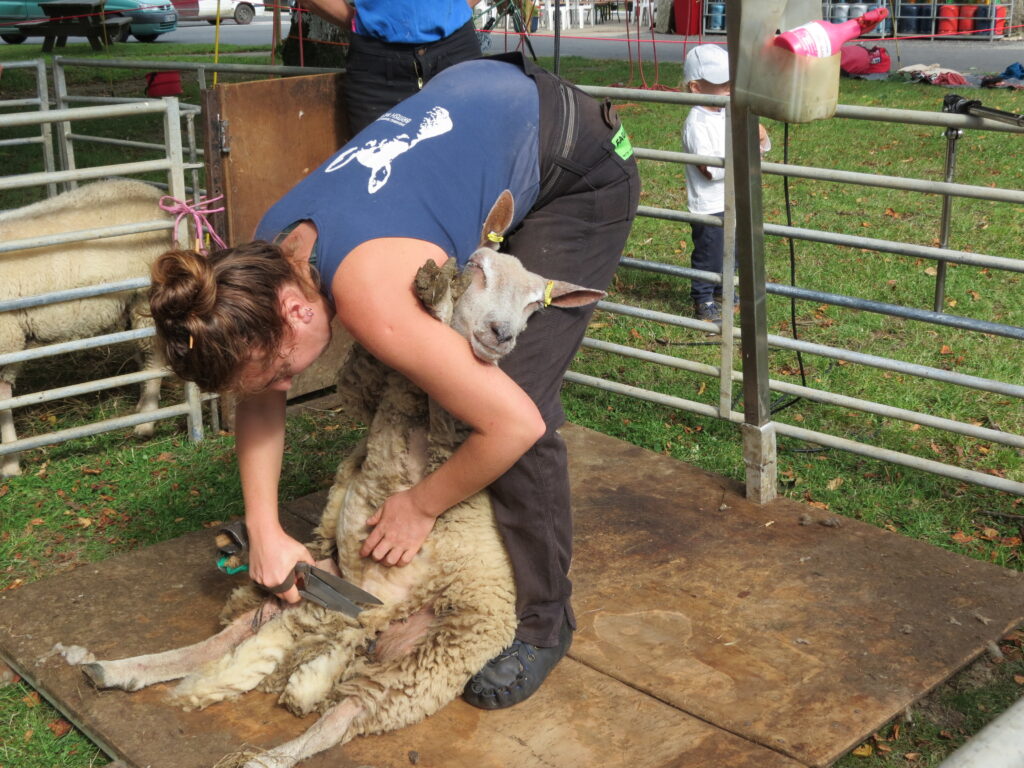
502 332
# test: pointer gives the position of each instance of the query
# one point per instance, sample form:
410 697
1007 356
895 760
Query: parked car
149 18
241 11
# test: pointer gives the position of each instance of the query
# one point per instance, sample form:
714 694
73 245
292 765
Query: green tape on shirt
621 143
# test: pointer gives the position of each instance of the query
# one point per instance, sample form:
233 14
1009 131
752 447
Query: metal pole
758 431
46 132
952 136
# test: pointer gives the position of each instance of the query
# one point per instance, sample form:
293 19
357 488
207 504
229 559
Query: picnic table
76 18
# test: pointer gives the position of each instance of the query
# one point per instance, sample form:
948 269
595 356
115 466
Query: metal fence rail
41 101
724 371
173 165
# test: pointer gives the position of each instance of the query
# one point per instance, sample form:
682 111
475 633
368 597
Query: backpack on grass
861 60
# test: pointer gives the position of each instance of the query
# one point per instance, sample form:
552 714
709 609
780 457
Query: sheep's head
500 297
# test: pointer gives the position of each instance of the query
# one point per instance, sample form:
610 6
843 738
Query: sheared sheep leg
239 671
9 466
329 730
310 684
140 671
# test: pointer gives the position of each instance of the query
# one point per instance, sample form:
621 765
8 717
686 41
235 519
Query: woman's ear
295 307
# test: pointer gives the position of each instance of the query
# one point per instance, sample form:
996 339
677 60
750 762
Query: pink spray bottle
821 39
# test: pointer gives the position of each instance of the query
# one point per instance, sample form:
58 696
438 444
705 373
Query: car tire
211 22
13 39
146 38
123 34
244 13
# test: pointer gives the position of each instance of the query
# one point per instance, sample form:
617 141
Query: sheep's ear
558 293
498 221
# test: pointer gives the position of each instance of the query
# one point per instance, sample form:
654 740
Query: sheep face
501 296
498 301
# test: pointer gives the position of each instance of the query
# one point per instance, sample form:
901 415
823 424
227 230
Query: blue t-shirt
410 21
430 169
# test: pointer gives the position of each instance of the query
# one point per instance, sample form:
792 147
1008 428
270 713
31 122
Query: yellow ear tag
547 292
494 237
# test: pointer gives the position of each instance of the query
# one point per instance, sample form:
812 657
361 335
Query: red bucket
163 84
947 23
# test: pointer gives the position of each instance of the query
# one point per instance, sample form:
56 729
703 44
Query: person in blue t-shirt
396 46
415 185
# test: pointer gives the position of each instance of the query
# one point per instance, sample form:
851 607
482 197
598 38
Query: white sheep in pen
444 616
73 265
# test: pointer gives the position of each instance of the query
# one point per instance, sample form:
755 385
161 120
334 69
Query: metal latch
223 142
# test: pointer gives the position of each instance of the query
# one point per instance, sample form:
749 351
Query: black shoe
516 673
708 311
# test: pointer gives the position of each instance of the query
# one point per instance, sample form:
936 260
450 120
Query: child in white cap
706 71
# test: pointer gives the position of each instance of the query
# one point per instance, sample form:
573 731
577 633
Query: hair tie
494 237
547 292
198 212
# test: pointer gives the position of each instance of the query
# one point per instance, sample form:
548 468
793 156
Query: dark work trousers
575 232
708 250
379 74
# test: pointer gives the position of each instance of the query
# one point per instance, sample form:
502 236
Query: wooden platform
713 633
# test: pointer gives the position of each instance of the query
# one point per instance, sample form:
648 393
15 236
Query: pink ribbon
198 212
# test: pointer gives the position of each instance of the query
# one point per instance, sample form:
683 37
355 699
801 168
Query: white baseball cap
707 62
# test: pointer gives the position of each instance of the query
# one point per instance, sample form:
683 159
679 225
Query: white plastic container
776 83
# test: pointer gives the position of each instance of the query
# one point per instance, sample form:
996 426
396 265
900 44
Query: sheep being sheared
35 271
444 616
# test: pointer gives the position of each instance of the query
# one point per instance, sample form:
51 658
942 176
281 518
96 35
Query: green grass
87 500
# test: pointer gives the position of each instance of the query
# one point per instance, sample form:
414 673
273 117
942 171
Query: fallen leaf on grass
59 728
911 756
961 538
91 471
864 750
931 271
4 489
975 296
834 483
31 700
1018 679
945 350
165 456
85 522
988 534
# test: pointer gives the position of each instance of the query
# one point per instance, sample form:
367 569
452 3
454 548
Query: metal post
758 433
728 287
46 131
952 136
65 150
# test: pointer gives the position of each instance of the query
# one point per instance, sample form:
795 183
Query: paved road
610 41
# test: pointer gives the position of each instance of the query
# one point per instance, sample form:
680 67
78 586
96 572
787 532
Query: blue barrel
716 20
983 20
907 23
857 10
840 12
884 27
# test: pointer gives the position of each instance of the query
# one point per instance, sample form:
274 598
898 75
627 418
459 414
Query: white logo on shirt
378 155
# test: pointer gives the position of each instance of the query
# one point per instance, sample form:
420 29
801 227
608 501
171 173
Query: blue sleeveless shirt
410 21
430 169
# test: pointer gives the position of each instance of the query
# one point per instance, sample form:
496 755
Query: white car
242 11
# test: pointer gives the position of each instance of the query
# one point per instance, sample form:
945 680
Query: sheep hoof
97 674
145 431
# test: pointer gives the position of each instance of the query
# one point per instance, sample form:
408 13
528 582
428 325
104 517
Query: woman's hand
399 529
272 560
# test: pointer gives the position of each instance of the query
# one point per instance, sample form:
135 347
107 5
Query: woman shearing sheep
348 239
